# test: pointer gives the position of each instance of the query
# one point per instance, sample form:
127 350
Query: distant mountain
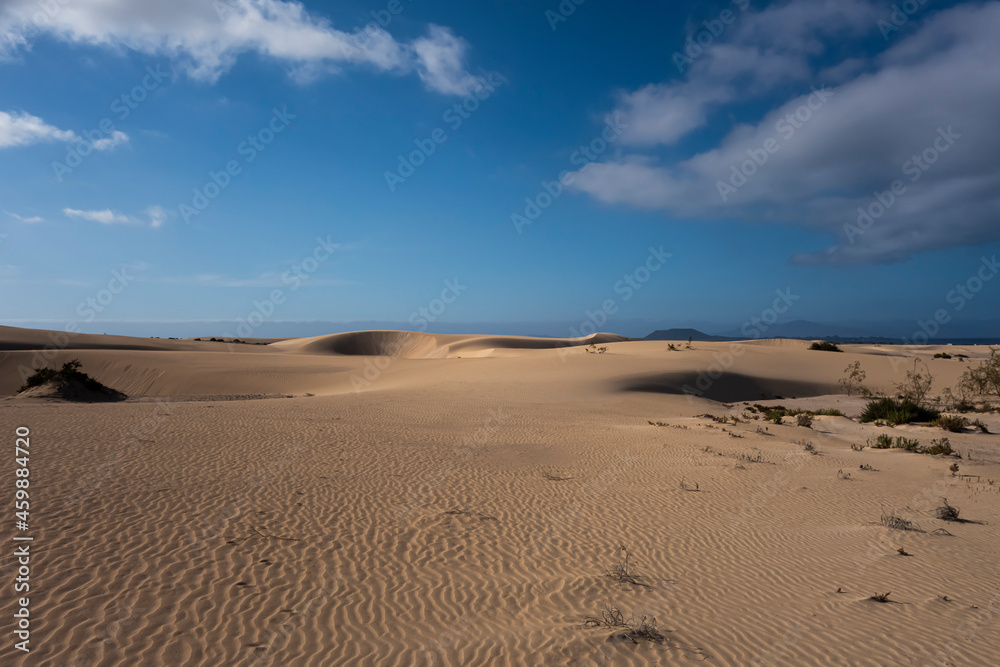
806 330
684 334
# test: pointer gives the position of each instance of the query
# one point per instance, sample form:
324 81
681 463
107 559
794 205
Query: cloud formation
205 38
156 214
29 220
896 156
23 129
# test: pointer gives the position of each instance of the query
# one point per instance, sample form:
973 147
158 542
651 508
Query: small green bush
952 423
885 441
897 412
882 441
70 371
825 346
937 447
774 415
942 355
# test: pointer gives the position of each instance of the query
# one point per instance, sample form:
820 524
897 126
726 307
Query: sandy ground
405 499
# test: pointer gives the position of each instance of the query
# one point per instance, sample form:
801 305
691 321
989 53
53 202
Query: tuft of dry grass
688 487
624 571
946 512
643 629
891 520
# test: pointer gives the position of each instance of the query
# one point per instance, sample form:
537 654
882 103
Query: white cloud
885 111
665 113
116 137
206 37
105 217
156 214
440 62
30 220
22 129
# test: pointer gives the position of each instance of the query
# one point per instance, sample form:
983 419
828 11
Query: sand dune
424 509
413 345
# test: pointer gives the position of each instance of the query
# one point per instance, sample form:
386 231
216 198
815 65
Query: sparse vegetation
882 441
881 597
909 444
983 380
804 420
825 346
644 628
917 384
624 571
946 512
68 374
953 423
672 347
718 420
853 379
891 520
688 487
896 412
938 447
942 355
593 349
978 423
770 412
806 445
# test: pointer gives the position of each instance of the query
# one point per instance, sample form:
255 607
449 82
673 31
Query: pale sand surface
459 505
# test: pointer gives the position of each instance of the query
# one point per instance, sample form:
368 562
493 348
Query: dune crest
416 345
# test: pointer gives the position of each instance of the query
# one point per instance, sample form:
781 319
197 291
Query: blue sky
162 95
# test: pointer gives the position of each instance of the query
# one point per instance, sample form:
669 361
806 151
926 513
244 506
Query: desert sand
390 498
